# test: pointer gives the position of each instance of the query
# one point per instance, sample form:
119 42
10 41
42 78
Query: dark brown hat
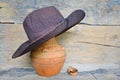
43 24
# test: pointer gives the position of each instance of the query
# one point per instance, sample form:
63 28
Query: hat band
50 29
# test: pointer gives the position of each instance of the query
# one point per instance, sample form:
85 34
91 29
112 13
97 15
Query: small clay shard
72 71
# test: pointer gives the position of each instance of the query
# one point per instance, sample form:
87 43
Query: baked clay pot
49 58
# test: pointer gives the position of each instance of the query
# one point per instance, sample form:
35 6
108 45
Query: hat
44 24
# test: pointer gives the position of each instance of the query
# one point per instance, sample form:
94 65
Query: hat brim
73 19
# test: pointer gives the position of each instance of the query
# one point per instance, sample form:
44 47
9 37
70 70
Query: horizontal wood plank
79 42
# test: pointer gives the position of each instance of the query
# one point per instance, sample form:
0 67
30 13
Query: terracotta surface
72 71
49 58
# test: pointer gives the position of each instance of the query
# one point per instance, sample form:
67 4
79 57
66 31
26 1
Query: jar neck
50 44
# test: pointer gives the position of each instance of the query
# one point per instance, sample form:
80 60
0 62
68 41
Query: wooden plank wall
97 11
98 46
93 45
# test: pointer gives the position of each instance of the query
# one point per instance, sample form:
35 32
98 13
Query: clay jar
48 58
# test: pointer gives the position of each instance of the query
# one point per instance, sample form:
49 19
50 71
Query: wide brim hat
66 23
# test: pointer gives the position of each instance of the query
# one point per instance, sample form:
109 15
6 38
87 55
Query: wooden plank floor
30 74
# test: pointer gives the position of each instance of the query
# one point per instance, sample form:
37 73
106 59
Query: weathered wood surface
97 11
87 47
29 74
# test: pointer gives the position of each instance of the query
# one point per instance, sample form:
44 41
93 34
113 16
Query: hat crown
41 21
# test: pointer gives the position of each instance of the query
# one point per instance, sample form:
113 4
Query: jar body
48 59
